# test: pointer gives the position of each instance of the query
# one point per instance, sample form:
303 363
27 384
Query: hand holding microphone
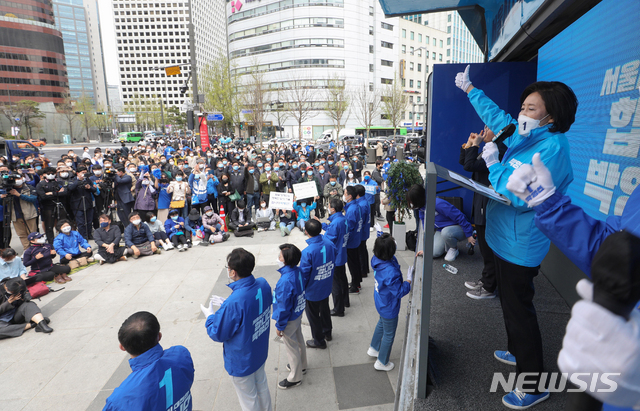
532 183
490 154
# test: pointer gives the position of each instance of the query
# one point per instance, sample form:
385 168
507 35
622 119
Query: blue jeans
446 239
253 200
301 223
383 337
288 226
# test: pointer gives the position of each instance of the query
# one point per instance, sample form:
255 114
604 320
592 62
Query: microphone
502 135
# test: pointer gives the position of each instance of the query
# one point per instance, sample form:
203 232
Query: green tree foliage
220 88
400 178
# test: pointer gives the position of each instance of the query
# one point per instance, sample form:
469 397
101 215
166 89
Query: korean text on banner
371 189
204 134
280 201
305 190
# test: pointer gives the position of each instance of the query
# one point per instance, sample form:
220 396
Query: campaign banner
204 134
371 189
305 190
280 201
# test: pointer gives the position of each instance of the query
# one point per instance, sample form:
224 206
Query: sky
108 41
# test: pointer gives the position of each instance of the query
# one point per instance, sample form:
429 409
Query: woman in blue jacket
372 188
288 305
547 112
67 244
388 293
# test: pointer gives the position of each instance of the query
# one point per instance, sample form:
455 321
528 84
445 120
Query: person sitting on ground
304 211
157 229
67 244
159 379
387 295
17 312
11 267
175 229
40 256
287 221
107 239
213 224
193 224
138 237
241 220
262 212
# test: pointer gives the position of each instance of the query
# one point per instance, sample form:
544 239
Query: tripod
7 205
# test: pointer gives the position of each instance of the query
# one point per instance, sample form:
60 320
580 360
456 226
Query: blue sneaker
505 357
518 400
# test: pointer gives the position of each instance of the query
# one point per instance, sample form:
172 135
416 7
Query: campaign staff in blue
242 326
160 380
365 213
354 227
337 232
548 110
316 265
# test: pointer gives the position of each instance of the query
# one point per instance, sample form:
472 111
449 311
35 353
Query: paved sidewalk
79 364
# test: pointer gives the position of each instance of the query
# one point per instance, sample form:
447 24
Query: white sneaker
179 247
211 241
98 257
170 245
165 246
381 367
371 228
451 254
260 229
372 353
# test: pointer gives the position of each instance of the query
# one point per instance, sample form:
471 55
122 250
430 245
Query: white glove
533 184
490 154
410 274
207 311
462 80
217 300
598 341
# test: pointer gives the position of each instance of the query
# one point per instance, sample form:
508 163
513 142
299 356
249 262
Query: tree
87 115
255 98
219 83
394 103
102 121
68 110
338 102
26 111
367 106
176 118
300 105
279 113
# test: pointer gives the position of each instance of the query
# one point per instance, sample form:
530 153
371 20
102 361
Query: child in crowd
67 245
157 229
174 227
287 221
263 212
304 211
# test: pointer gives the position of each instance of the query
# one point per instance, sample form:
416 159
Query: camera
8 180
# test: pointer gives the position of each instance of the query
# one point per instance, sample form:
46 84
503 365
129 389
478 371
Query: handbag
235 196
176 204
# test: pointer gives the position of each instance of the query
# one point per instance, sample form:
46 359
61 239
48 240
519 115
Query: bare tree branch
367 106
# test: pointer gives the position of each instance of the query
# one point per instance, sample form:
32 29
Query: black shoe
347 304
328 337
284 384
304 370
189 244
354 290
204 243
46 320
313 344
335 314
365 275
225 236
42 327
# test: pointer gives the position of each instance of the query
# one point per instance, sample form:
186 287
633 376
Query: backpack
411 238
38 289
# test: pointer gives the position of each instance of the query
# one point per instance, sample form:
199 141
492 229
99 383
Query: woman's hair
104 217
16 286
560 102
291 254
150 215
416 196
385 247
61 223
8 252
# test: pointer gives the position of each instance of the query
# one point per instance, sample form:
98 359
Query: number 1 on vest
324 254
259 298
167 382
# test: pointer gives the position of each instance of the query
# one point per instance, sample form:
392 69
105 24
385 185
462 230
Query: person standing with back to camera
547 111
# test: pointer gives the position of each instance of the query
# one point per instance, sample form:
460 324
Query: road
54 152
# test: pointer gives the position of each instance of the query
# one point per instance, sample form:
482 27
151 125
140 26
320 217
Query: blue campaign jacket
354 223
159 379
288 297
370 185
304 214
69 244
512 233
242 326
447 215
578 235
389 287
317 264
365 210
338 233
169 227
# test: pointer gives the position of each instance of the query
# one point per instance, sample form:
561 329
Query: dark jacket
81 197
235 216
250 181
47 186
29 257
238 182
137 236
123 188
112 236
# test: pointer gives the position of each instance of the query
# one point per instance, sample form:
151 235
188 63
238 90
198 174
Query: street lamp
162 101
424 94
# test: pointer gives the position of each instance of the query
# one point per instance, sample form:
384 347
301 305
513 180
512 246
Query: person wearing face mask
213 224
82 190
24 214
293 175
224 191
107 238
378 175
198 184
288 305
238 182
332 189
175 228
157 229
100 197
146 193
68 243
310 176
350 178
48 191
138 238
17 312
252 188
372 189
268 182
40 257
179 190
336 232
547 112
123 183
287 221
355 226
264 212
241 222
303 210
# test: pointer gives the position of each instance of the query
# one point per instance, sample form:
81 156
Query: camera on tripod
108 175
8 180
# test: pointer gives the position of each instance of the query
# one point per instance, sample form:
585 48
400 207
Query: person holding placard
372 189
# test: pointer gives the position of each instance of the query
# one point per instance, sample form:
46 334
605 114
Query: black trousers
63 259
178 239
124 209
212 200
523 333
48 274
320 207
353 261
391 217
84 220
372 215
364 257
23 314
49 219
319 316
489 269
376 206
340 289
111 258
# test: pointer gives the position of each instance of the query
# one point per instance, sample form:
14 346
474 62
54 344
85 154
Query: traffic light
79 112
241 126
101 113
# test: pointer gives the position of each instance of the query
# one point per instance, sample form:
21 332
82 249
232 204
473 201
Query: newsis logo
557 382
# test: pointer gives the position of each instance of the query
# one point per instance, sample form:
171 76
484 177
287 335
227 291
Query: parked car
37 143
19 148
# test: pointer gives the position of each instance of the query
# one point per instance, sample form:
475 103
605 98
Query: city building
32 60
115 99
152 35
79 23
313 43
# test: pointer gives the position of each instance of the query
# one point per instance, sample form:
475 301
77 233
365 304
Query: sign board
246 111
371 189
172 71
215 117
280 201
305 190
204 134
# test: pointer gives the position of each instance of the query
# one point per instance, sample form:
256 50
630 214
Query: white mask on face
19 182
280 263
41 240
51 176
526 124
66 229
136 222
209 213
64 174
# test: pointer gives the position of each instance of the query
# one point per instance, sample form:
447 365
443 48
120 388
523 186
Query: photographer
82 190
24 214
48 190
122 184
64 178
17 312
103 183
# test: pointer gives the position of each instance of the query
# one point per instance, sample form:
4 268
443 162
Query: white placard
305 190
371 189
280 201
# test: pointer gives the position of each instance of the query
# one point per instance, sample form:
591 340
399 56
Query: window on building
386 80
419 84
448 41
387 63
404 82
404 33
370 48
449 18
448 52
410 99
386 26
426 40
371 10
410 115
439 57
441 44
418 99
371 68
448 29
419 52
370 86
411 34
419 38
411 83
434 42
411 50
371 30
433 55
386 45
411 66
404 49
419 67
